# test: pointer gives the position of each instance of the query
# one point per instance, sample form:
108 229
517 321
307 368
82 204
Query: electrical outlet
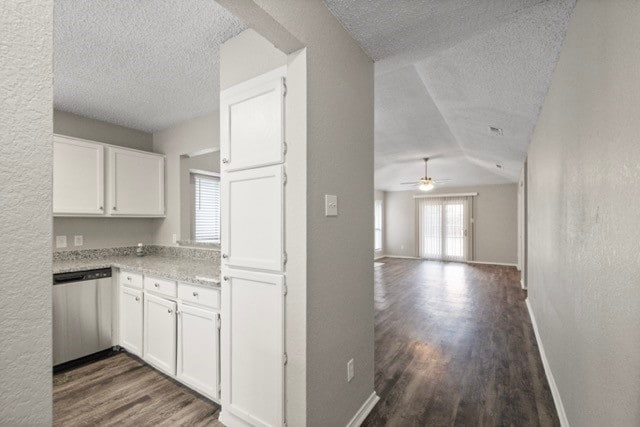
61 241
174 239
78 240
350 370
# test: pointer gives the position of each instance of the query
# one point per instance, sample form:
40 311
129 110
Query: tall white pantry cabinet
252 151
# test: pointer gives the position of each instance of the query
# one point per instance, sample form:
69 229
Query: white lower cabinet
130 320
160 333
198 349
175 327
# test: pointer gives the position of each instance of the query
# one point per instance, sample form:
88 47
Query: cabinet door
131 320
78 177
252 122
160 333
253 347
136 183
252 218
198 338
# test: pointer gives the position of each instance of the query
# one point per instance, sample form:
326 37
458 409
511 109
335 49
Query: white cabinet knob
137 298
195 294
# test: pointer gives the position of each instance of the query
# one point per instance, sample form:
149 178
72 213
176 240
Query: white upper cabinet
78 177
252 123
252 219
136 183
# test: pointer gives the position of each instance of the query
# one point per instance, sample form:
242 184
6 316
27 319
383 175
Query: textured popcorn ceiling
147 65
445 72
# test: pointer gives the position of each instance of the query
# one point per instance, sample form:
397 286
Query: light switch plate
61 241
330 205
78 240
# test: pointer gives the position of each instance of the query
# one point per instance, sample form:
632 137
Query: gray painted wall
334 155
584 190
103 232
189 137
339 161
234 69
496 222
26 84
96 130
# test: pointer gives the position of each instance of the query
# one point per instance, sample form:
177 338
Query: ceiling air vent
495 130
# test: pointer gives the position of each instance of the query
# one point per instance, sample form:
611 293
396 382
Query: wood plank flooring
454 345
122 390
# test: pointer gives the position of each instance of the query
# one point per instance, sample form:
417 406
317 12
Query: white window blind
443 225
378 225
206 208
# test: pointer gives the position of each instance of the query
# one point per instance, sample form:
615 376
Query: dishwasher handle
79 276
67 278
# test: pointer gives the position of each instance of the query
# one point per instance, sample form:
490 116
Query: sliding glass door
443 228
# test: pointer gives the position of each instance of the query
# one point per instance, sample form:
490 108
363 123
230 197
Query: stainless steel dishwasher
82 314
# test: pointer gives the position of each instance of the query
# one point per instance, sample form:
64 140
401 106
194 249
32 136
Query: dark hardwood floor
122 390
455 346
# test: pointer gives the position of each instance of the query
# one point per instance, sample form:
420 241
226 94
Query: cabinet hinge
284 87
218 322
219 390
284 178
284 258
285 359
285 290
284 147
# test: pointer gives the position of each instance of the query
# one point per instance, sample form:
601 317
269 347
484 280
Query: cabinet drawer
161 286
130 279
208 297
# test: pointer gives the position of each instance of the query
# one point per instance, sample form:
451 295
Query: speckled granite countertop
198 270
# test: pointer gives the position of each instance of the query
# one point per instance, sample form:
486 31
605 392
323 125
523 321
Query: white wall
188 137
495 211
26 85
103 232
584 191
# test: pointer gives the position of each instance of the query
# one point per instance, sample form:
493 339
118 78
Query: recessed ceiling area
145 65
446 72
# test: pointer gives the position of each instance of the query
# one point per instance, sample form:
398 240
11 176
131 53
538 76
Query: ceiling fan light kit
426 186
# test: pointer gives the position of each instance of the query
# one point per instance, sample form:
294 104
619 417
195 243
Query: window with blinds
206 208
443 225
378 225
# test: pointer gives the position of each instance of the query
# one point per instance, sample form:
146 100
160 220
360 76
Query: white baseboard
379 257
522 285
402 257
364 410
562 415
506 264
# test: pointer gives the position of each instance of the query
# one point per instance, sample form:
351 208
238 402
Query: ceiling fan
425 183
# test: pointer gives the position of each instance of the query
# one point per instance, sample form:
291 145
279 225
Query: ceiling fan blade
441 180
410 183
